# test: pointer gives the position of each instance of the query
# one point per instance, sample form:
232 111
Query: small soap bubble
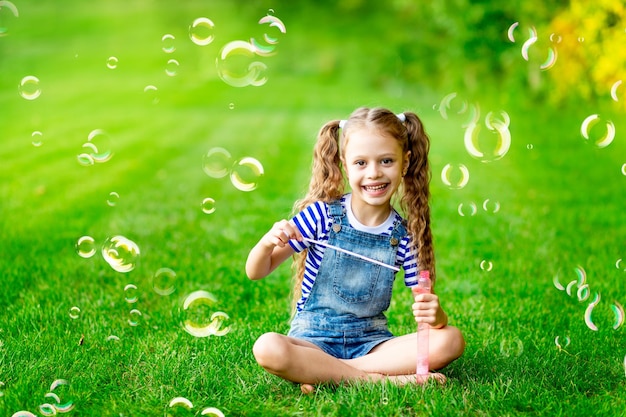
231 106
530 146
164 281
37 137
171 68
624 169
112 62
491 206
1 389
618 310
112 338
620 264
23 413
454 108
597 132
151 92
589 310
557 283
208 205
113 199
217 162
47 410
201 31
98 146
511 31
455 176
246 173
6 7
197 319
218 326
237 67
179 407
74 313
29 87
134 317
583 292
130 293
561 343
491 144
513 347
60 388
212 412
168 43
486 265
275 28
614 88
120 253
467 209
86 246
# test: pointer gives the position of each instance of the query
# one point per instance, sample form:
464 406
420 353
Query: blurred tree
591 56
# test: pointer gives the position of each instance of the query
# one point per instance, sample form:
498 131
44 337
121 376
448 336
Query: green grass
561 205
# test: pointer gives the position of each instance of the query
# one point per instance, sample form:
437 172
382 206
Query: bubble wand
365 258
423 287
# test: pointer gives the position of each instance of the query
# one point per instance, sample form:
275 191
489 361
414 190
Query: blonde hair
328 183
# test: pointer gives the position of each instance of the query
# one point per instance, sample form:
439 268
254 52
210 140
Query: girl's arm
272 250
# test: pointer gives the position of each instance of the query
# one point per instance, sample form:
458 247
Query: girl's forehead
362 139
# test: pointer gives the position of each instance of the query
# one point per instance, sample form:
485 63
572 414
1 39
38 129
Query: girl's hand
280 234
426 309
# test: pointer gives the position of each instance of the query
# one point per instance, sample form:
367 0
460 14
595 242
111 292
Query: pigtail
327 184
415 201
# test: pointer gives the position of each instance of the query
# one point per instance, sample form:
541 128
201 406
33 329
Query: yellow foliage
592 53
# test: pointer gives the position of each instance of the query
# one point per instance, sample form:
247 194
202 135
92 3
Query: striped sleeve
406 258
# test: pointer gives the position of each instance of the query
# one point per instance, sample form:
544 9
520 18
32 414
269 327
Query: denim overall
344 313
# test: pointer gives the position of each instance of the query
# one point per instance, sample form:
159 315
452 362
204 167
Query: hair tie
342 124
401 117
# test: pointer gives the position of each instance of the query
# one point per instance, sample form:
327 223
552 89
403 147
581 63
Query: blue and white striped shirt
314 222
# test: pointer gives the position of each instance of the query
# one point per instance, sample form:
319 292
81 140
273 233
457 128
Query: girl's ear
407 160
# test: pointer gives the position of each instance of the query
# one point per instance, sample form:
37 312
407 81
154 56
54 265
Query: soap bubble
151 92
467 209
492 144
245 174
86 247
271 40
134 317
197 318
168 43
121 253
97 149
212 412
589 310
486 265
201 31
112 62
614 88
29 87
236 65
171 69
10 7
23 413
60 391
164 281
179 407
130 293
113 198
36 138
618 310
208 205
491 206
217 162
455 176
561 343
218 325
512 347
592 131
74 312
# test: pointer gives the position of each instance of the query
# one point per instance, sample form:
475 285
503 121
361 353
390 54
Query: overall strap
337 212
398 233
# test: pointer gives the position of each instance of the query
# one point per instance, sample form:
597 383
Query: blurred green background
551 205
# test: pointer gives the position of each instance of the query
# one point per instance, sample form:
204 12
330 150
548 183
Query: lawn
530 252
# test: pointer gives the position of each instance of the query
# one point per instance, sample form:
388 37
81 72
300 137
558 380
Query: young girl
339 332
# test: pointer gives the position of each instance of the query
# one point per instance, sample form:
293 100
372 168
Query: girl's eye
359 163
387 161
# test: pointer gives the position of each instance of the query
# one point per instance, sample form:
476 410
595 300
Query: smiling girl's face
374 164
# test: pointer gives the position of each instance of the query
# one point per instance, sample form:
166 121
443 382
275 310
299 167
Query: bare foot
307 388
417 379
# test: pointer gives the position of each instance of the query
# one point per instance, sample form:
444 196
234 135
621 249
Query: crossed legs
303 362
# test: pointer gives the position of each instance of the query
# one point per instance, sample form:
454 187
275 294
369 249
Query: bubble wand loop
365 258
423 287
